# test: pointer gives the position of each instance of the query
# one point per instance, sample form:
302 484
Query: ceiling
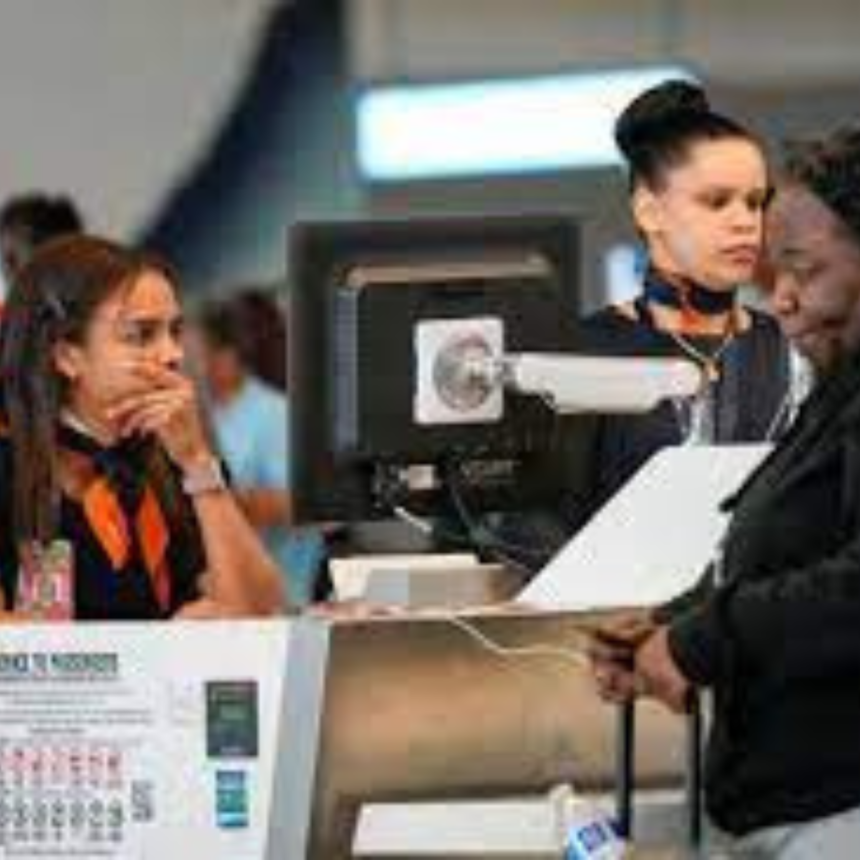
785 43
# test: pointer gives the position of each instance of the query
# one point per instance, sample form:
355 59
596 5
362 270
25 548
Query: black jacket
753 383
778 638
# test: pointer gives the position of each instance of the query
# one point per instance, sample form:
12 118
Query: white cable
419 523
517 652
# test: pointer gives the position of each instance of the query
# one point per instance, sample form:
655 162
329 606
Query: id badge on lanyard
46 581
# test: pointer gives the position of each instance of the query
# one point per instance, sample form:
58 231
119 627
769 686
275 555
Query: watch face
204 479
232 723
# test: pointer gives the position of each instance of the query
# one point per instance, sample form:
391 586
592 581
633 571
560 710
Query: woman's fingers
123 407
602 650
615 684
612 651
662 676
631 629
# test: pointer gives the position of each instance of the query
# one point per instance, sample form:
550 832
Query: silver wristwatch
203 478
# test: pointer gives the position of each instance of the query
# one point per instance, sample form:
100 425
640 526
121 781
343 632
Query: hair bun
654 110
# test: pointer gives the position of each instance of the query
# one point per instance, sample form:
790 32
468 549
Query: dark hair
830 168
253 324
219 325
656 130
29 220
53 301
263 326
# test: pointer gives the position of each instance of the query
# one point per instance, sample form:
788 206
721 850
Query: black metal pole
625 747
694 771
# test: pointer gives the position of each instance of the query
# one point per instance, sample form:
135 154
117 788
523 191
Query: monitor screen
368 299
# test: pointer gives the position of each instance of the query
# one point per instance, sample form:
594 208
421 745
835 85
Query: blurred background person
262 329
29 220
250 419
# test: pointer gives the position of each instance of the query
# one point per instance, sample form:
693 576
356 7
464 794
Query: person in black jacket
777 635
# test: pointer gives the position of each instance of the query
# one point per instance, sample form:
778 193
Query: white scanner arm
571 383
463 372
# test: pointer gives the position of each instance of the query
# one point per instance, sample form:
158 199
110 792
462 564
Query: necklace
708 362
663 291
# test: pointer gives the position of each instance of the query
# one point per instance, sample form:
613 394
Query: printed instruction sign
131 741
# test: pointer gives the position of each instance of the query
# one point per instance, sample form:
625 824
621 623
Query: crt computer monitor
358 289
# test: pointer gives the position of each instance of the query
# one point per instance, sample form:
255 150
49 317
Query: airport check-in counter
262 740
414 708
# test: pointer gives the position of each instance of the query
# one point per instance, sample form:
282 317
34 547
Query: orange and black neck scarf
123 511
684 295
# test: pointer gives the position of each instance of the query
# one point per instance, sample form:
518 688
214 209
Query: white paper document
654 538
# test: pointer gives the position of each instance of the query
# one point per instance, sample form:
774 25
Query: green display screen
232 724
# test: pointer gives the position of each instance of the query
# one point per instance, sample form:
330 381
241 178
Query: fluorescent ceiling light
513 126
